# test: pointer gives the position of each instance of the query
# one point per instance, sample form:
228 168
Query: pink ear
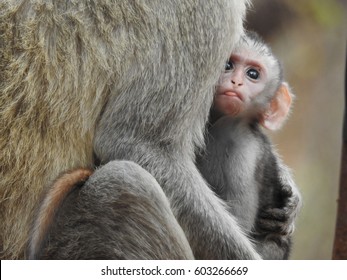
277 113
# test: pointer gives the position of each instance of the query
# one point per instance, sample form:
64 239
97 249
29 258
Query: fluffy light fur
60 64
241 165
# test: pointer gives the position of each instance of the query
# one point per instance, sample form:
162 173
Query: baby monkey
240 163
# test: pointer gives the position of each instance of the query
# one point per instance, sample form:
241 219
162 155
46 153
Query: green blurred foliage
327 13
309 38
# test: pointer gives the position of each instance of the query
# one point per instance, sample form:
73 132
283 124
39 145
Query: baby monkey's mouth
233 94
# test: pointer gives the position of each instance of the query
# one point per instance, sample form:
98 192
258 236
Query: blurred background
309 38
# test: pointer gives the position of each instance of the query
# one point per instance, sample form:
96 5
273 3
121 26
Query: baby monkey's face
244 78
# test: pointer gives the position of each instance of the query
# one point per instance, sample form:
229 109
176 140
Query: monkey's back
60 61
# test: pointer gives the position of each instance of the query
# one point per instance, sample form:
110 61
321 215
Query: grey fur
119 213
160 130
243 169
211 231
147 72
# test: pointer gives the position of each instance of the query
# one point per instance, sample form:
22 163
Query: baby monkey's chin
229 104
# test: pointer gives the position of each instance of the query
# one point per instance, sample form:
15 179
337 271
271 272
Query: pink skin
236 88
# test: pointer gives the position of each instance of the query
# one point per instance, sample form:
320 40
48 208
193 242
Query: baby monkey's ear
277 112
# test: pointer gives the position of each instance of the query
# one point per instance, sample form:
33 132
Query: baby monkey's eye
229 66
253 74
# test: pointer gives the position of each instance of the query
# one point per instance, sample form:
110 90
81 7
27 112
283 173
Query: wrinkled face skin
244 78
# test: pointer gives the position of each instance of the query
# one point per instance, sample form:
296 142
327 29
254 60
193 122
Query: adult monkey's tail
61 188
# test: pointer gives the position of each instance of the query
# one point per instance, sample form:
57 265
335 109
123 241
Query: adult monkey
62 62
